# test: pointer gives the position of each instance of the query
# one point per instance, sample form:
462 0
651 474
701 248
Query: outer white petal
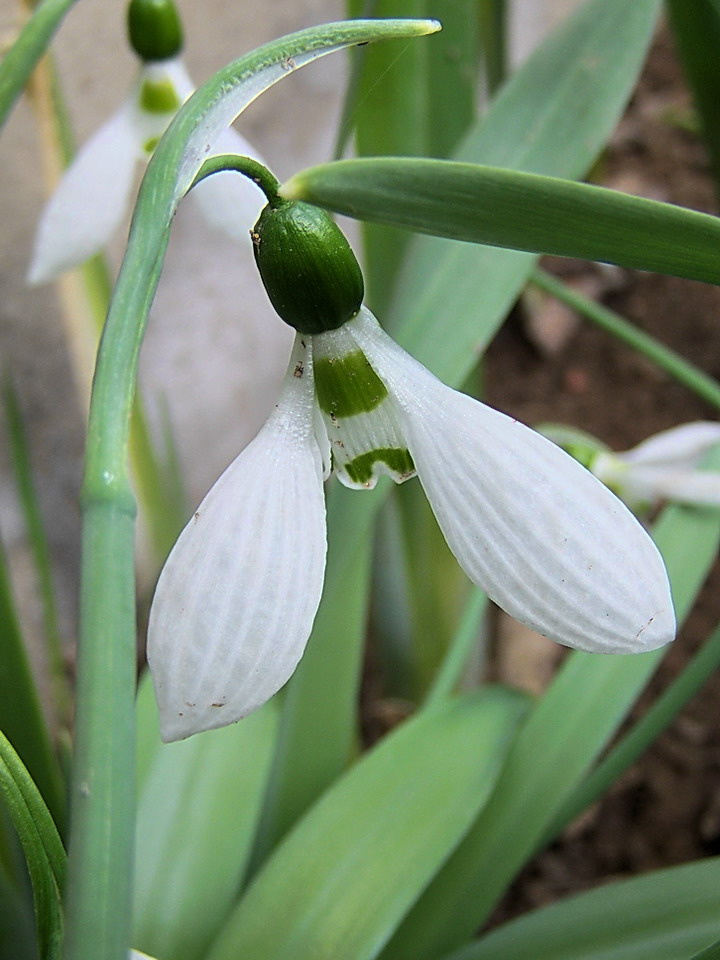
230 201
90 200
546 540
236 600
680 445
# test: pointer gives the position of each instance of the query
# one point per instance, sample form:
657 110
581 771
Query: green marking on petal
158 96
347 385
149 145
398 460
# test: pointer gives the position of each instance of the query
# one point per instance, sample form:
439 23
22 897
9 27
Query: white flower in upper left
94 193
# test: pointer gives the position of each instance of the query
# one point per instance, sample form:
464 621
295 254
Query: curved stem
252 169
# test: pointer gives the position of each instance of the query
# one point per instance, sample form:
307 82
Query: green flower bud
307 266
154 29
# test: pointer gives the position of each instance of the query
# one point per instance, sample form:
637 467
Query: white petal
236 600
230 201
649 484
546 540
679 445
174 71
90 200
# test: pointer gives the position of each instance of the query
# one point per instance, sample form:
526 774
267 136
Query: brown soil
666 810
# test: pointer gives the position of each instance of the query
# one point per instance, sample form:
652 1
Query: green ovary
158 96
347 385
398 460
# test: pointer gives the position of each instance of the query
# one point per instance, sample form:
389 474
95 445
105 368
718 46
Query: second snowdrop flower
664 467
94 194
236 600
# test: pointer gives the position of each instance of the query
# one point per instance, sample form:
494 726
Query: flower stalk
249 167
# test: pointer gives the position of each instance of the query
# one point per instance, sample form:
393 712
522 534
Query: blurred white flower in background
94 195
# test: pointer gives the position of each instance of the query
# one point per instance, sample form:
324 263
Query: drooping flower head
549 543
94 194
665 467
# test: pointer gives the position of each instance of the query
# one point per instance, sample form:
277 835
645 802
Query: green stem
252 169
103 788
493 40
684 372
458 652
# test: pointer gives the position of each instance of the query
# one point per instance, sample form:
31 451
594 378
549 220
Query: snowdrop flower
663 467
94 194
235 603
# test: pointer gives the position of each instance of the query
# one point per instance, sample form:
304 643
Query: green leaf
41 845
436 583
38 540
319 726
414 100
197 812
341 881
570 92
493 41
17 924
21 716
20 60
521 211
390 116
696 30
712 953
665 915
564 734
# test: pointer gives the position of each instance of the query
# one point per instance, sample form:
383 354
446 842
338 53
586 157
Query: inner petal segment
365 433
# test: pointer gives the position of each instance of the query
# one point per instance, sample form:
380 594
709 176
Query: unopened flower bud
154 29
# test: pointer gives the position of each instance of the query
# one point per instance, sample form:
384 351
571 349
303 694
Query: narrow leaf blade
520 211
642 926
197 810
568 728
351 867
